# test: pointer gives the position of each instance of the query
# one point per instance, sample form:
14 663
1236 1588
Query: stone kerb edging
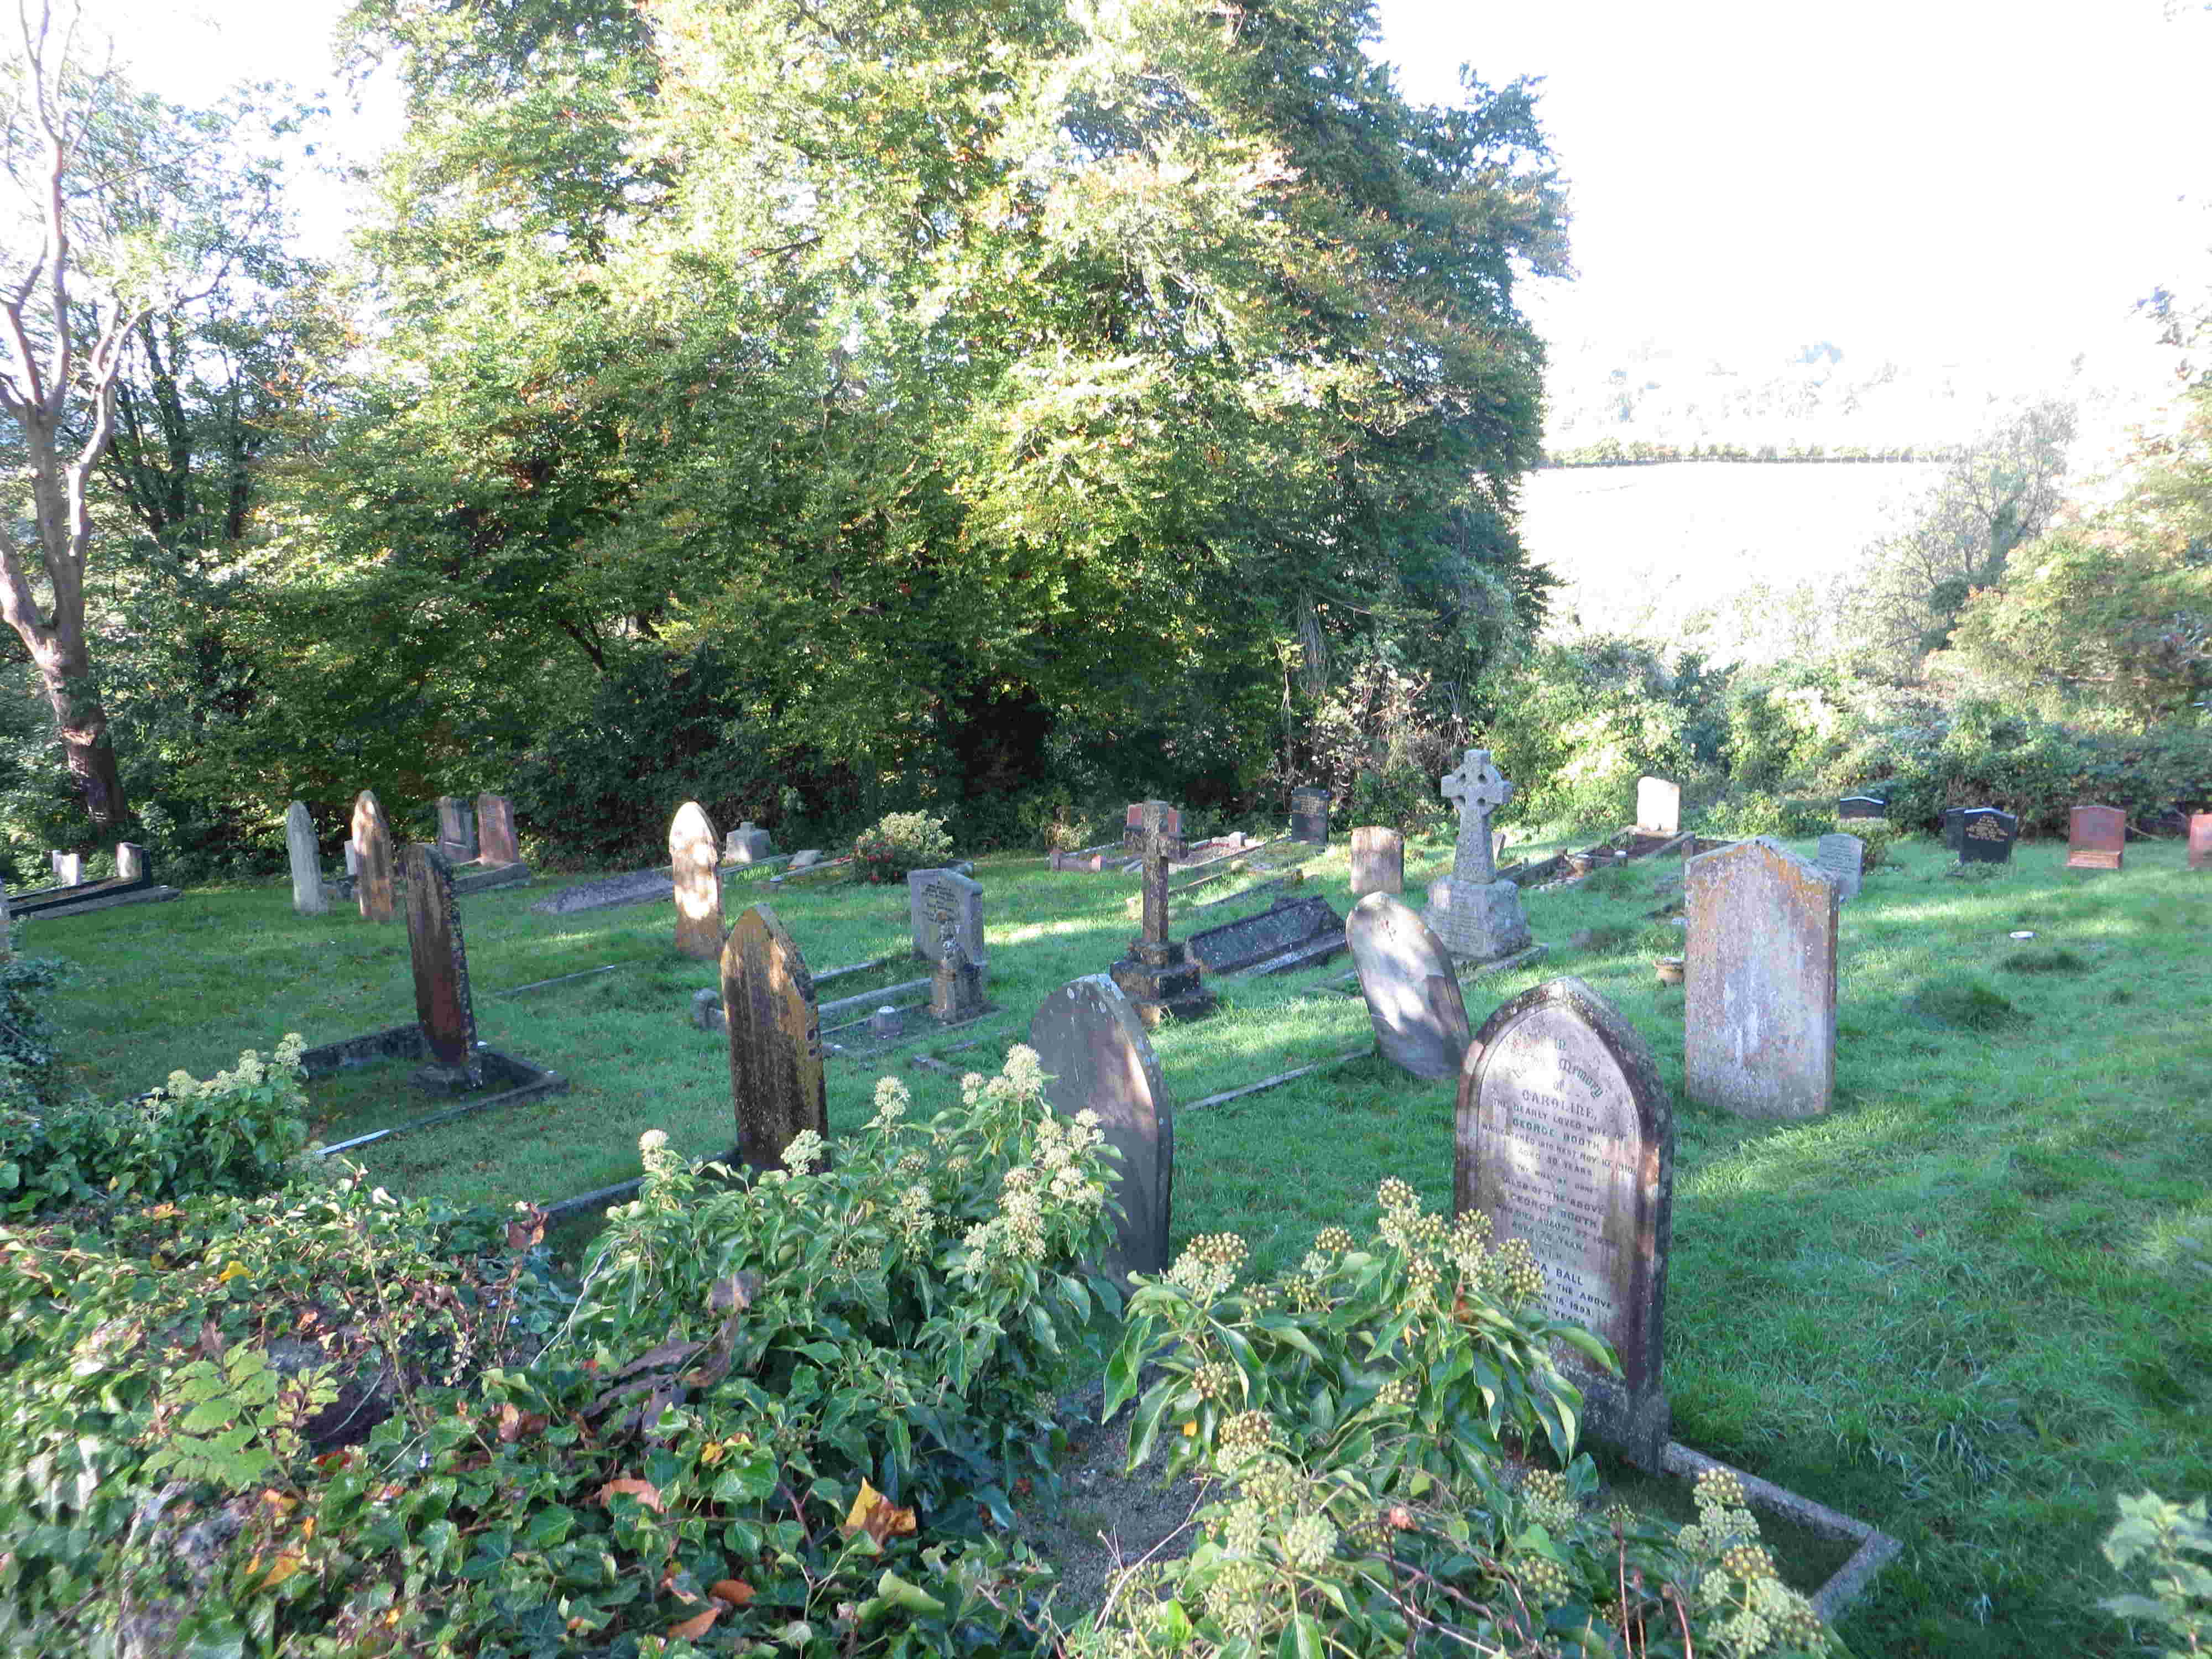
1876 1549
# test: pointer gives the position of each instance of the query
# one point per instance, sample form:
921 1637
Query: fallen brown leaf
735 1591
699 1624
644 1490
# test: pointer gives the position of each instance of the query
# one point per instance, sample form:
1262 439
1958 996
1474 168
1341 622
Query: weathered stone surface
1843 858
1412 995
1986 835
372 838
443 1005
1659 806
1096 1056
69 869
2200 840
1954 819
1760 1009
885 1023
777 1088
1378 861
936 898
1253 939
745 844
495 841
695 871
1309 817
1157 976
1862 806
610 893
457 829
1567 1140
1477 916
806 858
2096 838
130 862
308 898
955 989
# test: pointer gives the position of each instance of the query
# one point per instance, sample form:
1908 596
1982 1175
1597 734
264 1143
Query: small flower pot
1670 970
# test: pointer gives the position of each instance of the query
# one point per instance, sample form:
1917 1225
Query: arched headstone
1412 995
694 857
372 837
306 858
443 1005
1095 1055
777 1088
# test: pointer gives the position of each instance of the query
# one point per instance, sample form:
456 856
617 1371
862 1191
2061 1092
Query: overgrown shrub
1755 814
1579 724
1878 837
2173 1544
1402 798
897 843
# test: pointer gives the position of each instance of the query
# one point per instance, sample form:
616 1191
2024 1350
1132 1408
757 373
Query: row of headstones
130 865
490 837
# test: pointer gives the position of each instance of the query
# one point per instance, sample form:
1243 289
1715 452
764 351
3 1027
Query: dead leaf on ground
877 1516
699 1624
644 1490
735 1591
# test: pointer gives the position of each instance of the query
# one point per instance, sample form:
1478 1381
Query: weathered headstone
2200 840
1658 806
1413 996
1378 861
745 844
372 836
885 1023
1477 916
609 893
1567 1140
777 1087
443 1005
806 858
306 861
1309 817
955 988
495 841
69 869
352 858
695 866
1096 1056
1250 941
2096 838
1955 824
1862 806
1760 1010
1157 976
130 862
936 898
1986 835
457 829
1844 858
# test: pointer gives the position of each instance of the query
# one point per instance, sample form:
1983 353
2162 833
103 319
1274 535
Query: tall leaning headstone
694 858
1567 1140
442 1003
1761 981
308 898
1412 995
1095 1054
372 837
777 1086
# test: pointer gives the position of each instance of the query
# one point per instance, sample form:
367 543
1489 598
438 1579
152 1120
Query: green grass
1971 1304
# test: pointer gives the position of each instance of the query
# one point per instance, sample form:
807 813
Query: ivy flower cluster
1737 1578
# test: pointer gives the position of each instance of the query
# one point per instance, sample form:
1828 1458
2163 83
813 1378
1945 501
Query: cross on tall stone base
1156 977
1477 916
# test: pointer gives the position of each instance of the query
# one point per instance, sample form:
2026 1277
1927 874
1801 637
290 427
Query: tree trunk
81 722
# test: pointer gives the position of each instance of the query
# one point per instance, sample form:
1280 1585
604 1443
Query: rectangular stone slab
1760 1008
1309 816
1378 861
778 1088
495 840
935 897
2097 838
1251 940
637 887
1843 858
1986 835
1658 806
2200 840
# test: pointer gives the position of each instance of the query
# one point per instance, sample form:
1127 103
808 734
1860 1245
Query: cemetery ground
1972 1305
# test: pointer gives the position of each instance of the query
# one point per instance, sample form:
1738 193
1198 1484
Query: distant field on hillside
1729 558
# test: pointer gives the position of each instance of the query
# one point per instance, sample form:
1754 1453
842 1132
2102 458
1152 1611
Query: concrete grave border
524 1081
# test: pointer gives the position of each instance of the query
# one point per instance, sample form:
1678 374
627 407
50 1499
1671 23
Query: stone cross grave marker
443 1005
1659 806
696 867
1986 835
1761 979
1862 806
745 844
2096 838
1477 916
372 837
1567 1140
308 898
935 898
1095 1055
1413 996
955 988
2200 840
1309 817
1844 858
1156 975
457 829
777 1085
130 862
495 841
1378 861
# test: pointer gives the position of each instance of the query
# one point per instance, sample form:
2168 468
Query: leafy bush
2173 1544
1755 814
1402 798
1877 836
1582 723
898 843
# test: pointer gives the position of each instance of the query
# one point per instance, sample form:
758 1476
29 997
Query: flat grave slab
609 893
1252 942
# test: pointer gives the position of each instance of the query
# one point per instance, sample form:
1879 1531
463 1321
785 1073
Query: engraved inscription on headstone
777 1086
937 897
1760 1008
695 861
1095 1055
1309 816
1986 835
1844 858
495 841
306 861
1862 806
2097 838
1378 861
1658 806
372 836
442 1002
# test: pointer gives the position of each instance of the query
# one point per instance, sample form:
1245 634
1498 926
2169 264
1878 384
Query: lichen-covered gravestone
1760 1008
695 861
306 861
2096 838
443 1005
1659 806
1096 1056
495 841
372 838
1413 996
1566 1141
1378 861
1477 916
1844 858
936 898
777 1087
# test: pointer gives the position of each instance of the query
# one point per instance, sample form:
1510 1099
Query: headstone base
1158 979
1637 1426
439 1079
1478 923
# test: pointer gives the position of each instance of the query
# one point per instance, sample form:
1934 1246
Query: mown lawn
1972 1305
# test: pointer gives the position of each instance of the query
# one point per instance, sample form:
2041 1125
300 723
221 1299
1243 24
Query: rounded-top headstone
1412 995
1759 1012
694 858
372 836
777 1086
495 841
1095 1055
938 898
306 857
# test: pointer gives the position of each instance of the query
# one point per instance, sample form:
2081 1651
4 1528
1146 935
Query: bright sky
1928 180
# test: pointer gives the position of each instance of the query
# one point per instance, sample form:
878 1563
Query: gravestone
1567 1140
1844 858
306 861
609 893
885 1023
937 897
1760 1009
1157 976
1477 916
1096 1056
745 845
1658 806
1412 995
1251 940
2200 840
1309 817
806 858
777 1087
130 862
1378 861
2096 837
372 838
495 841
1986 835
69 869
457 829
1862 806
695 871
955 988
442 1003
1954 823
